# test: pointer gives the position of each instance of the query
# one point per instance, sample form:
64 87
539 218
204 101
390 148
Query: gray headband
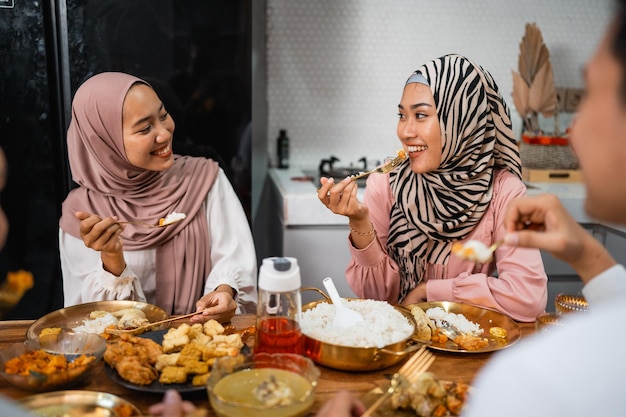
417 77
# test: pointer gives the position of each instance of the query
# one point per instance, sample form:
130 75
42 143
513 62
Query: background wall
336 68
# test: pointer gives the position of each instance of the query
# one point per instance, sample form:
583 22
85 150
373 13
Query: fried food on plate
425 327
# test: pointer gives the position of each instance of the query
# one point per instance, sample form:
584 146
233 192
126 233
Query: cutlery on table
385 168
141 329
152 224
344 316
409 372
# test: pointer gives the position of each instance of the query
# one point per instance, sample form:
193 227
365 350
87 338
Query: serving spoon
344 316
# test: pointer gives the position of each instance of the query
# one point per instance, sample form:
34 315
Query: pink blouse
519 290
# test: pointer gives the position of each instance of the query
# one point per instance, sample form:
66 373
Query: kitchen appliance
327 168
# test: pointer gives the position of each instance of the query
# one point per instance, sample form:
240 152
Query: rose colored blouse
514 284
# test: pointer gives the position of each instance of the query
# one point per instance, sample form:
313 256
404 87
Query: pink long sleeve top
519 290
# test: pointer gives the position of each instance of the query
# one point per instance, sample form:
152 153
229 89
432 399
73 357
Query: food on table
498 332
425 326
49 333
134 358
47 368
124 319
124 410
274 391
382 324
470 337
473 250
185 354
171 218
429 396
263 387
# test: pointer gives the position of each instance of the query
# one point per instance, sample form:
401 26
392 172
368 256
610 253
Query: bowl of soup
262 384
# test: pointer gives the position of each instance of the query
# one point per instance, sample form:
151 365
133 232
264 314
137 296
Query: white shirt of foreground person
9 408
233 259
577 370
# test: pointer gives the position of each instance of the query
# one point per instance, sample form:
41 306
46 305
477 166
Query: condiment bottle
282 149
279 307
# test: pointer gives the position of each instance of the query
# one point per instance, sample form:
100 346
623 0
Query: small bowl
237 384
548 321
70 345
570 303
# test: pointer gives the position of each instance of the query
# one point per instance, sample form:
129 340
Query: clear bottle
282 149
279 307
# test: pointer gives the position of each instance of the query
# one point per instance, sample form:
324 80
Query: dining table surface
451 366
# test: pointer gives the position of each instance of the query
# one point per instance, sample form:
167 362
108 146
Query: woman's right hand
341 198
103 235
560 234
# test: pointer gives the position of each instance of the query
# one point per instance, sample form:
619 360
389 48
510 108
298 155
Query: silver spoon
344 316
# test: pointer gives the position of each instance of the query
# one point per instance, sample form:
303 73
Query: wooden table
448 366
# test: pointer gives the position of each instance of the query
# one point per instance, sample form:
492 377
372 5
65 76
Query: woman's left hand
218 305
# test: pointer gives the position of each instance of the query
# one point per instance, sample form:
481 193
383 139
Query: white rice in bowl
382 325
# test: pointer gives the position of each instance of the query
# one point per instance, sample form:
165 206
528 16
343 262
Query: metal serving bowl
349 358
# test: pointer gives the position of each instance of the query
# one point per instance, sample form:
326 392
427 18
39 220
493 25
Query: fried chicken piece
135 371
133 358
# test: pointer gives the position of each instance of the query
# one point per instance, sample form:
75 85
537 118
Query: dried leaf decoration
542 93
520 94
533 87
533 53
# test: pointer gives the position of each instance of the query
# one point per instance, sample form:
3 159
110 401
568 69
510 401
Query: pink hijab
111 186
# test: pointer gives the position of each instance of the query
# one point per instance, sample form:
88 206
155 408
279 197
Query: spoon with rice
344 316
168 220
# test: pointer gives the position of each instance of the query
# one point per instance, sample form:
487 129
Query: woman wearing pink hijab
121 156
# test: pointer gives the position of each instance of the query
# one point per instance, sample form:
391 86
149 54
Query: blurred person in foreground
121 154
463 168
577 370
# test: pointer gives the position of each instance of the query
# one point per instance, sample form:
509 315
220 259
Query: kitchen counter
302 207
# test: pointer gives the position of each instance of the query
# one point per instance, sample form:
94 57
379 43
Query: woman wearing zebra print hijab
463 169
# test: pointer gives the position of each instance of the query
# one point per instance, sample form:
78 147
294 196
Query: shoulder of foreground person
574 370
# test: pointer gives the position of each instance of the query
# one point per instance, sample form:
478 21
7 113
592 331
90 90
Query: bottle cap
278 274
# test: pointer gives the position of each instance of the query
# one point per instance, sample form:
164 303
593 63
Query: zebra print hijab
434 209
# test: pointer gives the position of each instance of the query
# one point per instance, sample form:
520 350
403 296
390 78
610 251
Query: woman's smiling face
418 128
148 129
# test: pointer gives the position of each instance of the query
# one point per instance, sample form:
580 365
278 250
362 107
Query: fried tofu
200 380
173 375
175 344
166 359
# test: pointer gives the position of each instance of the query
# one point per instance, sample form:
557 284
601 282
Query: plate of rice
481 330
94 317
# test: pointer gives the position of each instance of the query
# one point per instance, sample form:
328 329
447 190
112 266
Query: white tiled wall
336 68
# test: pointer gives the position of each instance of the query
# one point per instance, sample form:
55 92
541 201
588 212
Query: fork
382 169
410 372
